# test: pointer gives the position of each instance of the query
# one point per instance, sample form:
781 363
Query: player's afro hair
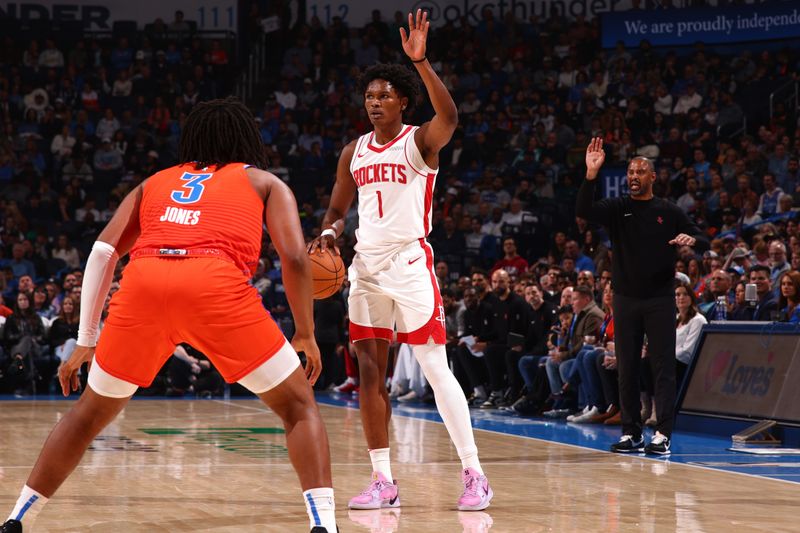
218 132
405 82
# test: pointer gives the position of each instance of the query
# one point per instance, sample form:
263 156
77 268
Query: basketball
327 273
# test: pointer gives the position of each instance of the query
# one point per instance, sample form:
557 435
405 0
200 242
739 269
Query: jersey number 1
192 190
380 204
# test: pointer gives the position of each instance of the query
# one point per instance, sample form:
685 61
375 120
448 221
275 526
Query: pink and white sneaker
477 492
380 494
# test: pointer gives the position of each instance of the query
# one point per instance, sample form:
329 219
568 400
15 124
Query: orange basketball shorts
205 302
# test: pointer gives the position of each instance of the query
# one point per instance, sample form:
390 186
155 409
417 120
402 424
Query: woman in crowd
687 333
42 305
741 311
696 272
790 297
63 334
23 339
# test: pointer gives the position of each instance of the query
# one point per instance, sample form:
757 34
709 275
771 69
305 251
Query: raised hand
414 42
595 156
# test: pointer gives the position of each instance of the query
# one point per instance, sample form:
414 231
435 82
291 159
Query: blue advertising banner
709 25
613 182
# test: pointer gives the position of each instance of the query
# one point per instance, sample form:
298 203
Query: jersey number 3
192 190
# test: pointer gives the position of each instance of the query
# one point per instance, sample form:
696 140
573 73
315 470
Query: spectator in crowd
509 315
768 202
789 284
24 340
189 371
511 261
63 334
586 278
178 24
533 370
581 262
329 320
42 305
473 322
767 304
741 308
719 286
541 318
408 381
689 323
19 265
584 329
66 252
744 193
584 375
777 262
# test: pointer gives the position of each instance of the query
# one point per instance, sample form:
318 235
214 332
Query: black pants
633 319
608 381
331 366
473 367
515 383
495 357
458 369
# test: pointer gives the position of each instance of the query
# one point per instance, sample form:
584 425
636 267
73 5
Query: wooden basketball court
168 465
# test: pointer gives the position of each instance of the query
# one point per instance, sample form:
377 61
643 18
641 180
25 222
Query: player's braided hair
405 82
219 132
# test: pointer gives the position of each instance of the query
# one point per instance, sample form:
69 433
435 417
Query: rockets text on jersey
395 192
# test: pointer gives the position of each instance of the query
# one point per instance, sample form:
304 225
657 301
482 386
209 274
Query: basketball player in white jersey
393 286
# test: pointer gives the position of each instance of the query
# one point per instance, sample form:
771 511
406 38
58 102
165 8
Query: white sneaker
587 416
571 418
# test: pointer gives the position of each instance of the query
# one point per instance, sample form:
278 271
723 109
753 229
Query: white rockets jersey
395 194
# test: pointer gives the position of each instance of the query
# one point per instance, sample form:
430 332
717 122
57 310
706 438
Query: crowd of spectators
86 120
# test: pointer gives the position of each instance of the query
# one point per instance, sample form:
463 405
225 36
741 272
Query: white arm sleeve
96 282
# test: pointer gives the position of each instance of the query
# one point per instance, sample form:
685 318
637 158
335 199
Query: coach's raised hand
415 40
595 156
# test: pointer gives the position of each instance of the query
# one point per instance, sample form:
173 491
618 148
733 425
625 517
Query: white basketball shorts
401 295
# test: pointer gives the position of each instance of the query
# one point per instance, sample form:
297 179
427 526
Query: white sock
29 505
381 462
469 458
321 508
450 402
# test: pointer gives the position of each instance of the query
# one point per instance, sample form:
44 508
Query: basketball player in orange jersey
393 170
193 232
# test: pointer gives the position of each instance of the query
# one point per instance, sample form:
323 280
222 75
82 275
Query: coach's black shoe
659 445
320 529
627 444
11 526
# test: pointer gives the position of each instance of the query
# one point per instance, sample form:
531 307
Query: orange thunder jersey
185 208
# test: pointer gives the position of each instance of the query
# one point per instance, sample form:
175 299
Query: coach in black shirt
644 232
